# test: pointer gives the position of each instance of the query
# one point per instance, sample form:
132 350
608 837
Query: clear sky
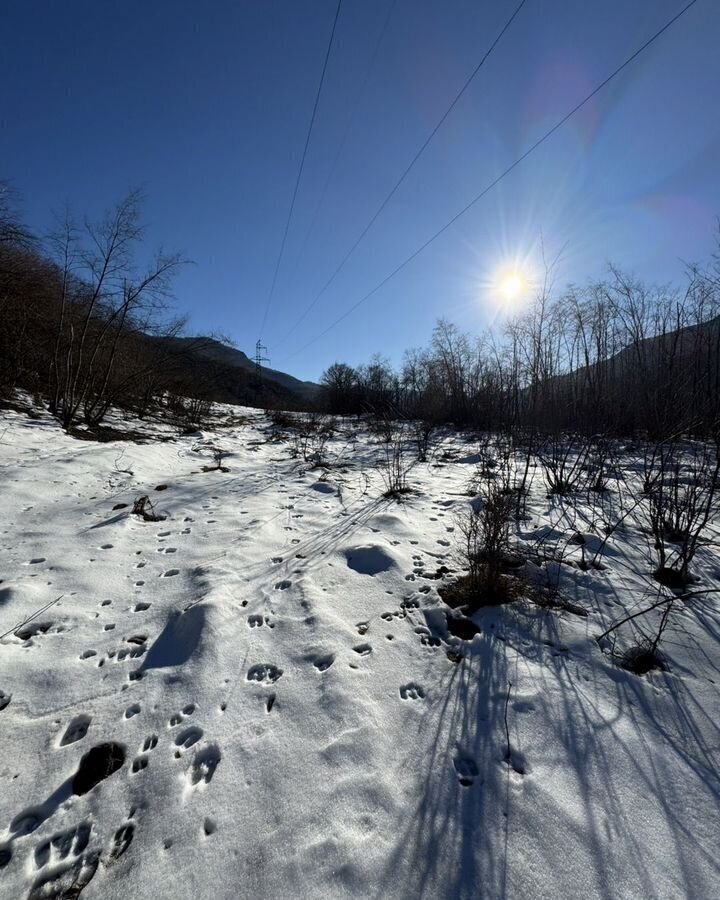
206 106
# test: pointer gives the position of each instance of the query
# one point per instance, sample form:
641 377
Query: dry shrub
484 530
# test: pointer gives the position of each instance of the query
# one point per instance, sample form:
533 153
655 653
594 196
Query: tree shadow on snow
598 809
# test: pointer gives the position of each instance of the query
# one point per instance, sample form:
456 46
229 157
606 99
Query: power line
348 123
404 175
499 178
300 170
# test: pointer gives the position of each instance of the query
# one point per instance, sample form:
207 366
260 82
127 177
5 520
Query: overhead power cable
499 178
408 169
348 122
300 170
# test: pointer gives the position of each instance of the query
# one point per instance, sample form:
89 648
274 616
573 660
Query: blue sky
206 106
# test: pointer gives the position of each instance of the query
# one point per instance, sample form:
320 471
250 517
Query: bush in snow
484 529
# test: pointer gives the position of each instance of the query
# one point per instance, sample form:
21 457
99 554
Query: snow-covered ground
264 665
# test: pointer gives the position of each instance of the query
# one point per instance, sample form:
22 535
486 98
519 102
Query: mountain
666 378
228 374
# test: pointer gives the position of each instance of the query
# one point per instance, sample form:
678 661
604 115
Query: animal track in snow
187 737
150 743
178 718
264 673
123 653
72 842
138 764
68 882
76 730
257 621
33 629
363 649
122 839
141 607
283 585
466 769
132 710
4 700
322 663
170 573
412 691
204 765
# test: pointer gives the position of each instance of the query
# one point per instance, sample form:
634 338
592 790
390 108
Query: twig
634 616
31 617
508 752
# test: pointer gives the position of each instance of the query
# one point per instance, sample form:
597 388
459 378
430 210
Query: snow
271 659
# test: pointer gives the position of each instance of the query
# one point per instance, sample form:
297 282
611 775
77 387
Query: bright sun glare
511 286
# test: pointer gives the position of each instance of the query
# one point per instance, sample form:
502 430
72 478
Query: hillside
215 350
227 375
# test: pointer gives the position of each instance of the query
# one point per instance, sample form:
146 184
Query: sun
511 286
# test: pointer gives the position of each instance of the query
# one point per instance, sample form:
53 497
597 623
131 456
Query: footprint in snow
34 629
466 770
412 691
122 839
187 738
203 766
71 842
150 743
68 881
179 717
323 663
264 673
76 730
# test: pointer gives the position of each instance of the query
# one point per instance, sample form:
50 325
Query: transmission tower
259 360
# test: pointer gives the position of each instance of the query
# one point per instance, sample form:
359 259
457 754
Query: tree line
87 321
613 356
